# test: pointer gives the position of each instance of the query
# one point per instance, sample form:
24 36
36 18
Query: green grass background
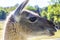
1 29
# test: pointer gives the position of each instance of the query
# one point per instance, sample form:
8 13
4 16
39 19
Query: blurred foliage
2 15
8 9
4 11
30 8
53 12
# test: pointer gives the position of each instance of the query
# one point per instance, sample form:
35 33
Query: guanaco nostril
32 19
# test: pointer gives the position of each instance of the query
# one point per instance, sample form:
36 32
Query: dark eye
33 19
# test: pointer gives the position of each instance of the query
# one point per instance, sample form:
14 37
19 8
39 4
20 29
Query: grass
1 34
1 25
57 34
1 29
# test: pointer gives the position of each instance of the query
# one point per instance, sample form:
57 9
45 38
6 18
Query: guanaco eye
33 19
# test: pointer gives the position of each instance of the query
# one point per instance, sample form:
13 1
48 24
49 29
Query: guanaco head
32 22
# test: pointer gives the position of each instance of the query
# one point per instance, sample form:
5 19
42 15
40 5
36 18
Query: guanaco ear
20 8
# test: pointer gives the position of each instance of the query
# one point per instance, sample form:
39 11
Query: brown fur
19 25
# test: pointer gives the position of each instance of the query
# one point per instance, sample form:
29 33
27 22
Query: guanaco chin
23 24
